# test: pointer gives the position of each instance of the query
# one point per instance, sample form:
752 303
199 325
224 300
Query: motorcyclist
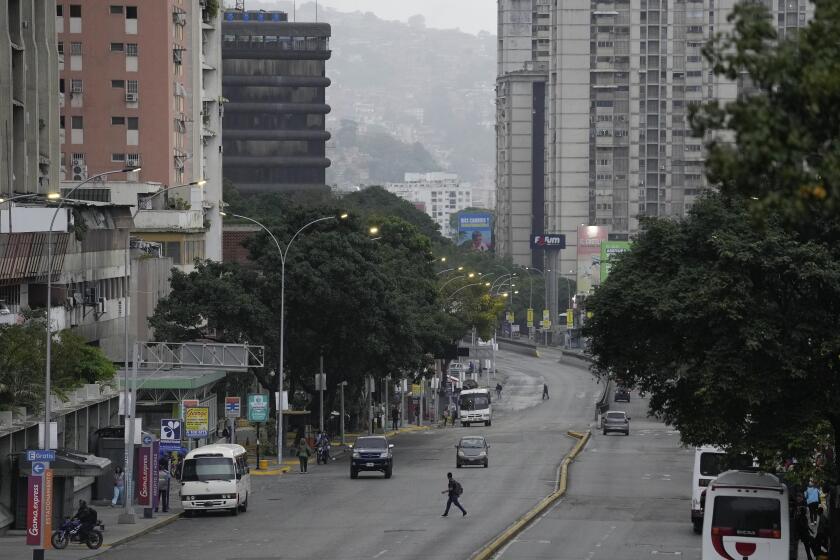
323 446
87 520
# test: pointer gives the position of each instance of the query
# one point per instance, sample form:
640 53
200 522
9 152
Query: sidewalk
13 544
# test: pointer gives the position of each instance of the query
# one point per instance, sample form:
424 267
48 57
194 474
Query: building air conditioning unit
77 88
80 172
132 162
179 18
131 97
91 297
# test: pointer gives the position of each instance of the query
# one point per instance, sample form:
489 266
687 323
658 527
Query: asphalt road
326 515
628 498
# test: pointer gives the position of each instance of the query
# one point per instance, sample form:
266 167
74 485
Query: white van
708 461
746 517
216 477
474 406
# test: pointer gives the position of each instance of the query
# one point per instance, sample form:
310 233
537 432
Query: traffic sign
38 468
258 407
147 439
233 407
33 455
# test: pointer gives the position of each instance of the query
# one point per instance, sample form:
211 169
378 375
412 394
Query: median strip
491 548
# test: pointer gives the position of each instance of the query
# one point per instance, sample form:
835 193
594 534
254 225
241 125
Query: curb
270 472
494 546
153 527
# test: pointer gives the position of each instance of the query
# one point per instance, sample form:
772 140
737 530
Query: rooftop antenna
240 5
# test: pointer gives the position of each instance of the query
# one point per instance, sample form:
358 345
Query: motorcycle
69 532
322 455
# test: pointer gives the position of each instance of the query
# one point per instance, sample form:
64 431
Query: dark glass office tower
274 80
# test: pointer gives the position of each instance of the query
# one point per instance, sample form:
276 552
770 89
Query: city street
628 498
325 514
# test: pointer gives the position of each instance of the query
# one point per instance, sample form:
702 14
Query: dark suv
372 453
622 394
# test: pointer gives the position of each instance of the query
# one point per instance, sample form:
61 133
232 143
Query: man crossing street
454 490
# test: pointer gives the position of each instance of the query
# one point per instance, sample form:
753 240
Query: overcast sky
469 15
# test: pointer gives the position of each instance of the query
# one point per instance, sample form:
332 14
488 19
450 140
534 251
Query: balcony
169 220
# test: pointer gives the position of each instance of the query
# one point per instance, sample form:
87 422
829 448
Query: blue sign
169 446
38 468
147 439
170 430
475 231
47 455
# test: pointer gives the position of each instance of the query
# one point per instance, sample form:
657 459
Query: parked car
472 450
622 394
372 453
616 421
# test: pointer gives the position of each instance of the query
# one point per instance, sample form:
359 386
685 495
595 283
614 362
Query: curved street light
48 371
283 255
461 277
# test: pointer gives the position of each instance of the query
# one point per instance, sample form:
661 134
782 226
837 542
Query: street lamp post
48 371
283 254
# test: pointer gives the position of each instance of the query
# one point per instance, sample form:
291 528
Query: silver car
616 421
472 450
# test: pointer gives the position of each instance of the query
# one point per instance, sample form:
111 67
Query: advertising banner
185 404
144 476
48 509
570 318
155 473
610 249
34 505
170 434
197 422
555 241
589 240
475 231
530 318
258 408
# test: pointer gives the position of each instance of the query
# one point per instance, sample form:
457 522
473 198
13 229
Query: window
132 159
748 516
76 48
131 49
59 10
131 12
132 86
61 85
133 123
76 86
61 47
117 47
116 9
117 120
117 158
61 124
76 122
118 83
75 10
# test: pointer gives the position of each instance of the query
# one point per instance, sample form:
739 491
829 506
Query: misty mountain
416 85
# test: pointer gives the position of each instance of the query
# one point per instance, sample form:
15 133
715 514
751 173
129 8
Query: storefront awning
69 463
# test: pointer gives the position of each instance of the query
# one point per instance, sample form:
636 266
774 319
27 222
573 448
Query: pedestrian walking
303 453
454 491
445 417
395 418
812 499
821 536
545 392
163 487
119 486
802 531
498 391
453 413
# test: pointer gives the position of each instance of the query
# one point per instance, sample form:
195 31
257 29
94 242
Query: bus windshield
474 402
202 469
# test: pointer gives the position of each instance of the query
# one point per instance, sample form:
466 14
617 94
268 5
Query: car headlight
460 454
189 498
383 455
482 453
356 455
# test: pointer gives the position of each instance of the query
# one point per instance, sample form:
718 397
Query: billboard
589 240
475 231
548 241
610 249
197 422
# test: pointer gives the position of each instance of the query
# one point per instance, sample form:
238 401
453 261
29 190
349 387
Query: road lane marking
381 553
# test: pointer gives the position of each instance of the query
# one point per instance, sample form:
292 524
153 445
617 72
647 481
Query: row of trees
22 364
730 317
368 306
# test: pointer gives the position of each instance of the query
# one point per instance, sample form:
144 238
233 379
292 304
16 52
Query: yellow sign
509 316
530 318
415 389
48 509
570 318
197 421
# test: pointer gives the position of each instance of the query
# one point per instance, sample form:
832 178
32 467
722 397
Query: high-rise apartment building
29 152
614 92
275 82
140 85
440 195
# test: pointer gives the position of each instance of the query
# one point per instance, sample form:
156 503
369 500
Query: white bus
746 517
709 461
216 477
474 407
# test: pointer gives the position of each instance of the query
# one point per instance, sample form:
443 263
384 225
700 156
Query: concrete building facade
439 195
275 83
29 147
140 86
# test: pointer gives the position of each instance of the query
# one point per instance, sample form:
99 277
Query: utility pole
385 416
322 384
341 388
369 387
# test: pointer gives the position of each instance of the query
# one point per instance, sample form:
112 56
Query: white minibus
216 477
